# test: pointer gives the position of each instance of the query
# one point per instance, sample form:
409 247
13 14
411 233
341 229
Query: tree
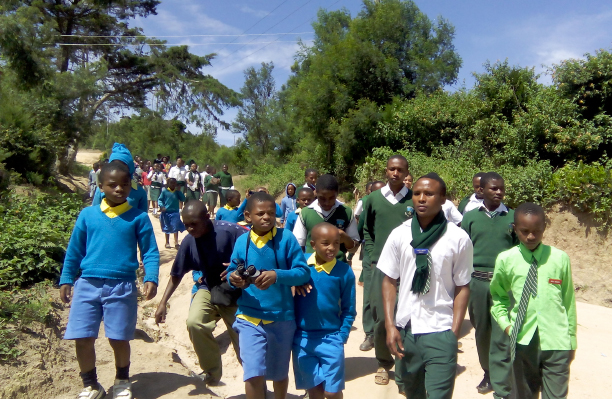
83 54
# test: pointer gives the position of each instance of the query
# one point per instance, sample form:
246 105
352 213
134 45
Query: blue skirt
171 222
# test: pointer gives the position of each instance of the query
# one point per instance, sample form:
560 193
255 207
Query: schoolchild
472 201
263 189
226 183
265 319
158 181
288 203
408 181
146 183
305 197
233 211
451 213
359 206
93 181
193 183
211 185
170 217
106 289
179 173
310 179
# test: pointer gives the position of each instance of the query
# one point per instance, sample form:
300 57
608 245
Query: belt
486 276
156 184
225 188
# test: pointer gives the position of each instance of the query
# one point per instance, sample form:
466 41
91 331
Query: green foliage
275 178
34 234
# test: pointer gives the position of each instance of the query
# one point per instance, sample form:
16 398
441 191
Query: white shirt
452 266
177 173
393 199
359 208
299 230
196 180
203 175
451 213
473 203
158 177
501 208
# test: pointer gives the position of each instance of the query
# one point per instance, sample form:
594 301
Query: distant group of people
280 277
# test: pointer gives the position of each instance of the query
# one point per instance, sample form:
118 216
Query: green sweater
340 217
360 224
208 185
490 237
226 179
381 217
464 203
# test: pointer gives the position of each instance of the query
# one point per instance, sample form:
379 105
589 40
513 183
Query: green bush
275 178
34 233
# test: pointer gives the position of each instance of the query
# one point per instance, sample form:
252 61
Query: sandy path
160 370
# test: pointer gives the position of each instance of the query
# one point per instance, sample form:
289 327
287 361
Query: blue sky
529 33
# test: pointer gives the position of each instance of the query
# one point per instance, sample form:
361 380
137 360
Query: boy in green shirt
542 326
490 229
226 183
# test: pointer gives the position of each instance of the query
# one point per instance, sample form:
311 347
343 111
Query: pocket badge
409 212
340 224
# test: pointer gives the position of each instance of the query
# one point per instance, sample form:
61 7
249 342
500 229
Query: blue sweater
106 248
137 198
291 220
288 203
275 303
233 216
170 200
330 307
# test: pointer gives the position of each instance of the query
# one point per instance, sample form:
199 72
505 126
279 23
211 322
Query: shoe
168 246
459 345
122 389
92 393
485 386
204 377
367 344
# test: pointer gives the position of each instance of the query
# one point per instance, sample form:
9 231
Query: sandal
168 246
176 246
381 377
204 377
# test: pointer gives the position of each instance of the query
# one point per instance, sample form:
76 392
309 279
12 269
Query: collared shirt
552 311
389 196
178 173
300 230
260 241
452 267
474 203
114 211
326 267
451 213
501 208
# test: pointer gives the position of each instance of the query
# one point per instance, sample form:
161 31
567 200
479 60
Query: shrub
275 178
34 233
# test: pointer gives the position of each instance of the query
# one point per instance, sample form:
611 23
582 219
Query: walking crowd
280 277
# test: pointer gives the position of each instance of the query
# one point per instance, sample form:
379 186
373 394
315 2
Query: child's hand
66 293
162 209
394 340
224 273
150 290
265 279
160 313
303 289
237 281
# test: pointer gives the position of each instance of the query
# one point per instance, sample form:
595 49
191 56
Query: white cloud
248 10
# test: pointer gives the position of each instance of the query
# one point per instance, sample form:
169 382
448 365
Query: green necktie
530 289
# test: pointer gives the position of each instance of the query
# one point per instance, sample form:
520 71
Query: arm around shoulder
298 272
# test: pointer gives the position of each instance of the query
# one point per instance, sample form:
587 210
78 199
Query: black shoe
367 344
485 385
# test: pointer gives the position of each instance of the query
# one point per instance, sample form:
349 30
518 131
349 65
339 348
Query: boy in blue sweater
324 313
170 216
265 320
107 287
305 197
233 211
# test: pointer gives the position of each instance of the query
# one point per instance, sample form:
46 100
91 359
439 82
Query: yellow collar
325 267
260 241
114 211
230 208
297 211
168 188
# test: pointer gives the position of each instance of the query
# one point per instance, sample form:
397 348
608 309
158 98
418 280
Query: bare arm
460 302
160 313
394 340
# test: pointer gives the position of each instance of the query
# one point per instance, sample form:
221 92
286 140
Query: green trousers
492 343
384 357
535 369
192 195
429 366
201 322
366 273
223 198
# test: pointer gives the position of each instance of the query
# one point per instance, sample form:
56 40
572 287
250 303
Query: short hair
487 177
158 155
258 197
111 167
529 208
378 183
436 177
96 165
479 175
170 179
198 208
327 182
232 194
368 185
314 234
309 171
305 190
398 157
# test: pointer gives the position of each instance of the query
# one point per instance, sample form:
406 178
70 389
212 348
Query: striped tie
429 263
491 214
530 289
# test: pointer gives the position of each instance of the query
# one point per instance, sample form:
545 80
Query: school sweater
234 215
330 307
381 217
225 179
291 219
490 236
463 203
170 200
362 216
102 247
340 217
275 303
208 186
137 198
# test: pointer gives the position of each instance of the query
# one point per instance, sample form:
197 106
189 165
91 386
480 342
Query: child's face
194 167
326 244
234 200
195 224
396 172
327 199
427 198
529 229
172 184
290 191
493 193
305 199
116 187
225 168
262 216
312 178
476 187
408 182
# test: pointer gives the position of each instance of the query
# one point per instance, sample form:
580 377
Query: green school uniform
340 217
464 203
490 237
549 328
225 183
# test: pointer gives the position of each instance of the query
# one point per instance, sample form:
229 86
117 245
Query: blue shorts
94 299
171 222
265 349
319 361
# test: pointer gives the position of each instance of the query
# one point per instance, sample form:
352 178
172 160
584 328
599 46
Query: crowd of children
281 278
